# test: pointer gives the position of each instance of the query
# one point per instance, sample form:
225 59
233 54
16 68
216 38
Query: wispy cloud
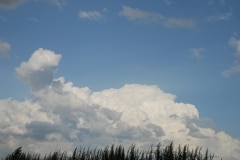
168 2
90 15
220 17
33 19
222 2
172 22
2 18
4 49
212 2
235 43
59 3
10 3
233 70
138 15
196 53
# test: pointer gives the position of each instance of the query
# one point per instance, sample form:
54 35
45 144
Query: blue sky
190 49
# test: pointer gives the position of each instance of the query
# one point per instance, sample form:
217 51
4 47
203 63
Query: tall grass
118 153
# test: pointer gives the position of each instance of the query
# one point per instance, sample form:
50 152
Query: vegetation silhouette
118 153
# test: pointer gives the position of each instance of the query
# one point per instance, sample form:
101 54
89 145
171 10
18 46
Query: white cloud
59 3
90 15
135 14
235 43
39 69
63 116
196 53
34 19
220 17
173 22
233 70
236 68
4 49
168 2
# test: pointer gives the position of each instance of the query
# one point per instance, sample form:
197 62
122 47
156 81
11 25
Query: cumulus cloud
39 69
90 15
4 49
63 115
138 15
10 3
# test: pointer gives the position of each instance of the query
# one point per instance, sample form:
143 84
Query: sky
101 72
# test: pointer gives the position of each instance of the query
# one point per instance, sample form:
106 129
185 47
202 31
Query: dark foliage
118 153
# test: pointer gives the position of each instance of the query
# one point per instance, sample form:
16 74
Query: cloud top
39 69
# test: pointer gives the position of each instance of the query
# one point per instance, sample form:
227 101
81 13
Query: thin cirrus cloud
90 15
196 53
168 2
4 49
2 18
220 17
235 43
233 70
138 15
65 115
59 3
33 19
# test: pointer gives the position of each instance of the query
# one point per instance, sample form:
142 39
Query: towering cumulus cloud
65 116
39 70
